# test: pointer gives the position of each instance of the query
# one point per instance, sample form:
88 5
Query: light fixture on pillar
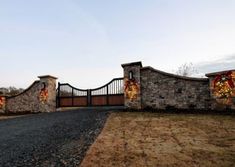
131 77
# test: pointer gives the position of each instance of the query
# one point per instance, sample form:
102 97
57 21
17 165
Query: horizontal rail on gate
120 94
67 84
115 79
111 105
71 96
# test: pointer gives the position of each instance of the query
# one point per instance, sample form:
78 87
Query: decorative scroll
131 89
224 88
43 95
2 102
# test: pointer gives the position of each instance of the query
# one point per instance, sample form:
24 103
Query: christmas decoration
224 87
131 89
2 102
43 95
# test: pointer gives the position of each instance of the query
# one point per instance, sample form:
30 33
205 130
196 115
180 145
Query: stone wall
39 97
146 87
167 91
26 101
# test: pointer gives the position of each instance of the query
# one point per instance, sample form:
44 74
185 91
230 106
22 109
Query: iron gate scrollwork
111 94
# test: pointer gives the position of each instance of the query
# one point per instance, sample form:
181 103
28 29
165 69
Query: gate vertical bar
58 96
107 96
72 98
88 97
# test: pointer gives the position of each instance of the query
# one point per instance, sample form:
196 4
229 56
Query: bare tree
186 69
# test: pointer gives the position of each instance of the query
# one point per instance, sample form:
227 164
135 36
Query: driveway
49 139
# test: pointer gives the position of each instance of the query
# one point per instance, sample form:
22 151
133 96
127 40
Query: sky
84 42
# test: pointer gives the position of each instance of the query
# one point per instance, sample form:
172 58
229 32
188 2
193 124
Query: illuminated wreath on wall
43 95
224 87
2 102
131 87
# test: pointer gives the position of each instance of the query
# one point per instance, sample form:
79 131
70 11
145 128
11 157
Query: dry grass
152 139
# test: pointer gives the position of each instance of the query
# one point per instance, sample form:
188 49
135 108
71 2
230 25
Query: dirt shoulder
152 139
2 117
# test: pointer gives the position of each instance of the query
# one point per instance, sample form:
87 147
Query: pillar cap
47 76
218 73
138 63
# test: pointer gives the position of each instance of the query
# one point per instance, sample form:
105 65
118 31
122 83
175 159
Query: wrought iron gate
110 94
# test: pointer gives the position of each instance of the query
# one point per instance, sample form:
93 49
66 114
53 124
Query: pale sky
84 42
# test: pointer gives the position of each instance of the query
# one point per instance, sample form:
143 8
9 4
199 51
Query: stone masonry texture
163 91
29 102
135 68
50 105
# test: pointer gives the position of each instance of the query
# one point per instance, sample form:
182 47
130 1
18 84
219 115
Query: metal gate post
58 96
88 97
72 97
107 96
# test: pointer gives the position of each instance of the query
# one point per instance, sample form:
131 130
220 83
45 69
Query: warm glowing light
2 102
224 87
43 95
131 89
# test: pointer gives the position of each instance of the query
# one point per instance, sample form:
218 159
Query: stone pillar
132 85
47 93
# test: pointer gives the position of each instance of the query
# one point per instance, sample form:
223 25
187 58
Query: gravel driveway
49 139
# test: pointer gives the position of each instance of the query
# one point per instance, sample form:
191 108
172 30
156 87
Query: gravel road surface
49 139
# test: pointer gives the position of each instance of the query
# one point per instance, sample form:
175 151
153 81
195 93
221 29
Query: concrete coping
47 76
138 63
174 75
218 73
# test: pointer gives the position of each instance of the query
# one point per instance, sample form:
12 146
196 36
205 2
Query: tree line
10 91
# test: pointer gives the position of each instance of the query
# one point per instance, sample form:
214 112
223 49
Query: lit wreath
2 102
131 89
224 87
43 95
